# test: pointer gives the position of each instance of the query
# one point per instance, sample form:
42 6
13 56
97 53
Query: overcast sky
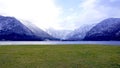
61 14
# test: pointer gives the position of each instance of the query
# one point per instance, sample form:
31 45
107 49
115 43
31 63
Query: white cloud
93 11
43 13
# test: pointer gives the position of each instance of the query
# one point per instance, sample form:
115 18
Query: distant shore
58 42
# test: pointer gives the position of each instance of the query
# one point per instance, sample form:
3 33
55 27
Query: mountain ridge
108 29
11 29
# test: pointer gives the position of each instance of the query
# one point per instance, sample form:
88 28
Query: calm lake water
58 42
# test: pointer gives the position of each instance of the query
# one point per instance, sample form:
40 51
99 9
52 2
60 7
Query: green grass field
60 56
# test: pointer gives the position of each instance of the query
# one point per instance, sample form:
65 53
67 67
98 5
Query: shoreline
59 42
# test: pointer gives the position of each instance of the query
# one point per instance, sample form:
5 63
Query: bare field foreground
60 56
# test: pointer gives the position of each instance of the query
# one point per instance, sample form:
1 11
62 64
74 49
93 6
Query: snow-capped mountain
61 34
37 31
80 33
13 29
108 29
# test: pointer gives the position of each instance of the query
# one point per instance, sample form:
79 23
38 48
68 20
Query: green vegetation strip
72 56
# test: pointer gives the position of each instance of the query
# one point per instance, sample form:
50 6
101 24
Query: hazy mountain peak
79 33
58 33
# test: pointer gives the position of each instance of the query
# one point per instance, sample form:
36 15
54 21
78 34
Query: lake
58 42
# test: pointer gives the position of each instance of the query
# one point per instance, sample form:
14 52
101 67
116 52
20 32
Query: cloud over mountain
61 14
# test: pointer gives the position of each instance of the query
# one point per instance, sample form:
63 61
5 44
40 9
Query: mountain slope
80 33
108 29
13 30
37 31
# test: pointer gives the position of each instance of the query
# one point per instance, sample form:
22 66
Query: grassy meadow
60 56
